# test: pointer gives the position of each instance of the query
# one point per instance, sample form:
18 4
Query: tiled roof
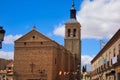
10 64
72 21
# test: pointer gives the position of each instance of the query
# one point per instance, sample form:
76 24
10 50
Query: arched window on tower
69 31
74 32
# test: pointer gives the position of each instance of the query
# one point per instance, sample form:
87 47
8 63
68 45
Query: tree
84 68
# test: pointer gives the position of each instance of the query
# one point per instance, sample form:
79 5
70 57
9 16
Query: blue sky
100 19
19 16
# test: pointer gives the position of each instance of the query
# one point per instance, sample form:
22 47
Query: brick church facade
37 57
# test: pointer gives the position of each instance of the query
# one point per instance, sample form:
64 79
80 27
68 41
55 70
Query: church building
37 57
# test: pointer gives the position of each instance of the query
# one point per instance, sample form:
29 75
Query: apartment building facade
106 64
7 74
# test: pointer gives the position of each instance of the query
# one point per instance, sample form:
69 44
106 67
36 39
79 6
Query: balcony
104 66
108 64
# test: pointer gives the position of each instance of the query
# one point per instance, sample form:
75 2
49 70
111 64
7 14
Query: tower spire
73 4
73 11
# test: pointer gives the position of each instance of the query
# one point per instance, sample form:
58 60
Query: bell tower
72 41
73 34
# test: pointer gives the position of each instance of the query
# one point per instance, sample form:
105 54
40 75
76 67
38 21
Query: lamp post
2 32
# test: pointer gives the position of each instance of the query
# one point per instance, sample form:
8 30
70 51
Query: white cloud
85 60
98 18
59 30
6 55
9 39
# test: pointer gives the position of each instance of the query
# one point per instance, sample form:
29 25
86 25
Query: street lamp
2 32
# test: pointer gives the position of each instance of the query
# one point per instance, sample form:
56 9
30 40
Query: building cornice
110 42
